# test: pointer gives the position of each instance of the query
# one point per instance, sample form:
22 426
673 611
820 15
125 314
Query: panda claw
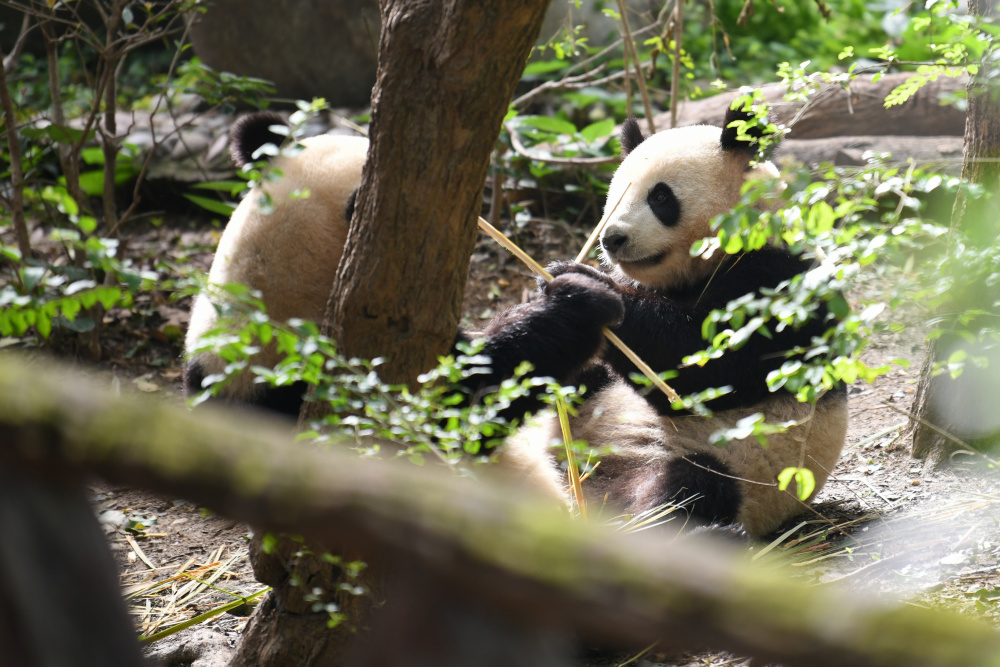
563 268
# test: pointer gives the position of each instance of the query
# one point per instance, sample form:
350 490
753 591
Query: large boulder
308 48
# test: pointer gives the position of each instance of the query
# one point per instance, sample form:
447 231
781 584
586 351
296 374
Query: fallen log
837 111
498 562
942 153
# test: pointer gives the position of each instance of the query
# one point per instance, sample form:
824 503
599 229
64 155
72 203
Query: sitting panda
289 254
655 298
668 188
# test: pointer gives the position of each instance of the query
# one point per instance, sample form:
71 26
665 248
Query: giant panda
289 254
655 297
665 193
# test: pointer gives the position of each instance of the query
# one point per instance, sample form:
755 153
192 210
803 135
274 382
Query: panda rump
289 254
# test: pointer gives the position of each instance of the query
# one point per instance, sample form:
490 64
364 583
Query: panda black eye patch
664 204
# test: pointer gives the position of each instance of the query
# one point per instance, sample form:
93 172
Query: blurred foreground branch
493 556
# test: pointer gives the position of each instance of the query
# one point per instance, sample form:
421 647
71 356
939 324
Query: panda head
666 192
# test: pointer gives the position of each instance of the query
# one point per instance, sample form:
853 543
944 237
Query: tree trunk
447 70
950 413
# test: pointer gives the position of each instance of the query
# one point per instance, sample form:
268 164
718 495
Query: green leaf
70 308
31 276
92 182
549 124
58 133
87 223
43 324
820 218
805 481
221 186
545 67
839 307
213 205
595 131
93 155
108 296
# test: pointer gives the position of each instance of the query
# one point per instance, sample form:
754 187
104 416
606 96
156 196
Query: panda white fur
289 255
667 190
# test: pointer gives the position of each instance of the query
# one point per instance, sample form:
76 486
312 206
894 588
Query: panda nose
613 242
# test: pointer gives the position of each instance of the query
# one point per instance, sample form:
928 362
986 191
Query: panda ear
251 132
631 135
729 139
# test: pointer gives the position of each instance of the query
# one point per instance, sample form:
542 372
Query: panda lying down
655 298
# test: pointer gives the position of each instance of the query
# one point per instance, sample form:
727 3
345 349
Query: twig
675 77
520 149
631 53
858 571
552 85
221 609
11 58
16 172
141 176
138 552
586 78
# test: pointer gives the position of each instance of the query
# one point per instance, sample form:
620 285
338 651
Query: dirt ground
885 523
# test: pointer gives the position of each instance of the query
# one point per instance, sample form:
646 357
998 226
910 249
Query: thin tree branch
16 170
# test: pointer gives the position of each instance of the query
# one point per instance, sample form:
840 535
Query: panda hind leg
716 492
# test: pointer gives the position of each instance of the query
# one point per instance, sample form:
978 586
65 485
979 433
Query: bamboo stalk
594 235
571 468
498 236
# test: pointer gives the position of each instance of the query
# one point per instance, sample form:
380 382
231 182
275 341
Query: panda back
291 254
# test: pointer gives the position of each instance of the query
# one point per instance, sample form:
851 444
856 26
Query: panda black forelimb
664 327
558 333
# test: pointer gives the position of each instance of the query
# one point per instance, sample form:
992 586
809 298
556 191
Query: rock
308 48
197 647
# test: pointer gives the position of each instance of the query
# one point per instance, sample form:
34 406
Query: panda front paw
585 299
563 268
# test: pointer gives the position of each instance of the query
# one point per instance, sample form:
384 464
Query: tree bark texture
950 413
837 111
447 69
500 570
